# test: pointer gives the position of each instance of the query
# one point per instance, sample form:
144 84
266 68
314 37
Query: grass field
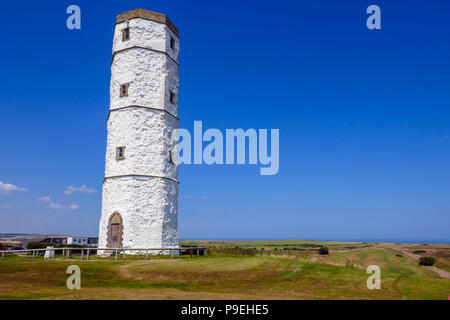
295 273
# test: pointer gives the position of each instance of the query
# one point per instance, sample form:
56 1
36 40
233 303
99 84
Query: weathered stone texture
143 186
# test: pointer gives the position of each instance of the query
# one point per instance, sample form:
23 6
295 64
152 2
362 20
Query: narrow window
172 43
120 153
126 34
124 90
173 97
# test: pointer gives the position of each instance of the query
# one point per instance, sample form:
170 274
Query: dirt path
442 273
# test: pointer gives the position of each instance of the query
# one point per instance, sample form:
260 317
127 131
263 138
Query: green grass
386 259
214 277
267 245
231 274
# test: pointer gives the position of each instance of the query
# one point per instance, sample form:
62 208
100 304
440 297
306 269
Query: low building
93 242
84 241
67 240
77 240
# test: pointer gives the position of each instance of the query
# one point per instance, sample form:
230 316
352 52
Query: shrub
419 251
398 255
426 261
348 263
39 245
311 245
64 245
44 245
233 251
323 250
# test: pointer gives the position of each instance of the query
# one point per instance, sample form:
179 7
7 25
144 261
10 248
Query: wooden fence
86 252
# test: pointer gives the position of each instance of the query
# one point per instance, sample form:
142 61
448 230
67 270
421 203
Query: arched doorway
115 231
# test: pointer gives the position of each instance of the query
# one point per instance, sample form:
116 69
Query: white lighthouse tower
140 189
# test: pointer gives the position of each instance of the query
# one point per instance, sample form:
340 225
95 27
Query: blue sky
363 117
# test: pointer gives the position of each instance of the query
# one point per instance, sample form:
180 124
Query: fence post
82 254
124 255
34 252
63 252
3 256
87 257
146 254
116 254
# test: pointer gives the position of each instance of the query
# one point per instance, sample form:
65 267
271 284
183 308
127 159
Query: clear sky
363 117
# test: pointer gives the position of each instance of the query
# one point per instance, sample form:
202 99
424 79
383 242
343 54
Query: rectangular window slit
120 153
173 98
124 90
126 34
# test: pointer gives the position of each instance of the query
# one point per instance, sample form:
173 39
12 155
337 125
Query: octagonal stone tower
140 189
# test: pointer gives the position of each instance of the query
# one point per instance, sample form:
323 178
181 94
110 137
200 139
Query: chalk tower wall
140 189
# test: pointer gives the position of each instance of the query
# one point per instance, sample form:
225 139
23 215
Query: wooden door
115 235
115 231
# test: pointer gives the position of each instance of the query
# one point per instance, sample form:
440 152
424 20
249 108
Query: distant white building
77 240
84 241
140 188
65 240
